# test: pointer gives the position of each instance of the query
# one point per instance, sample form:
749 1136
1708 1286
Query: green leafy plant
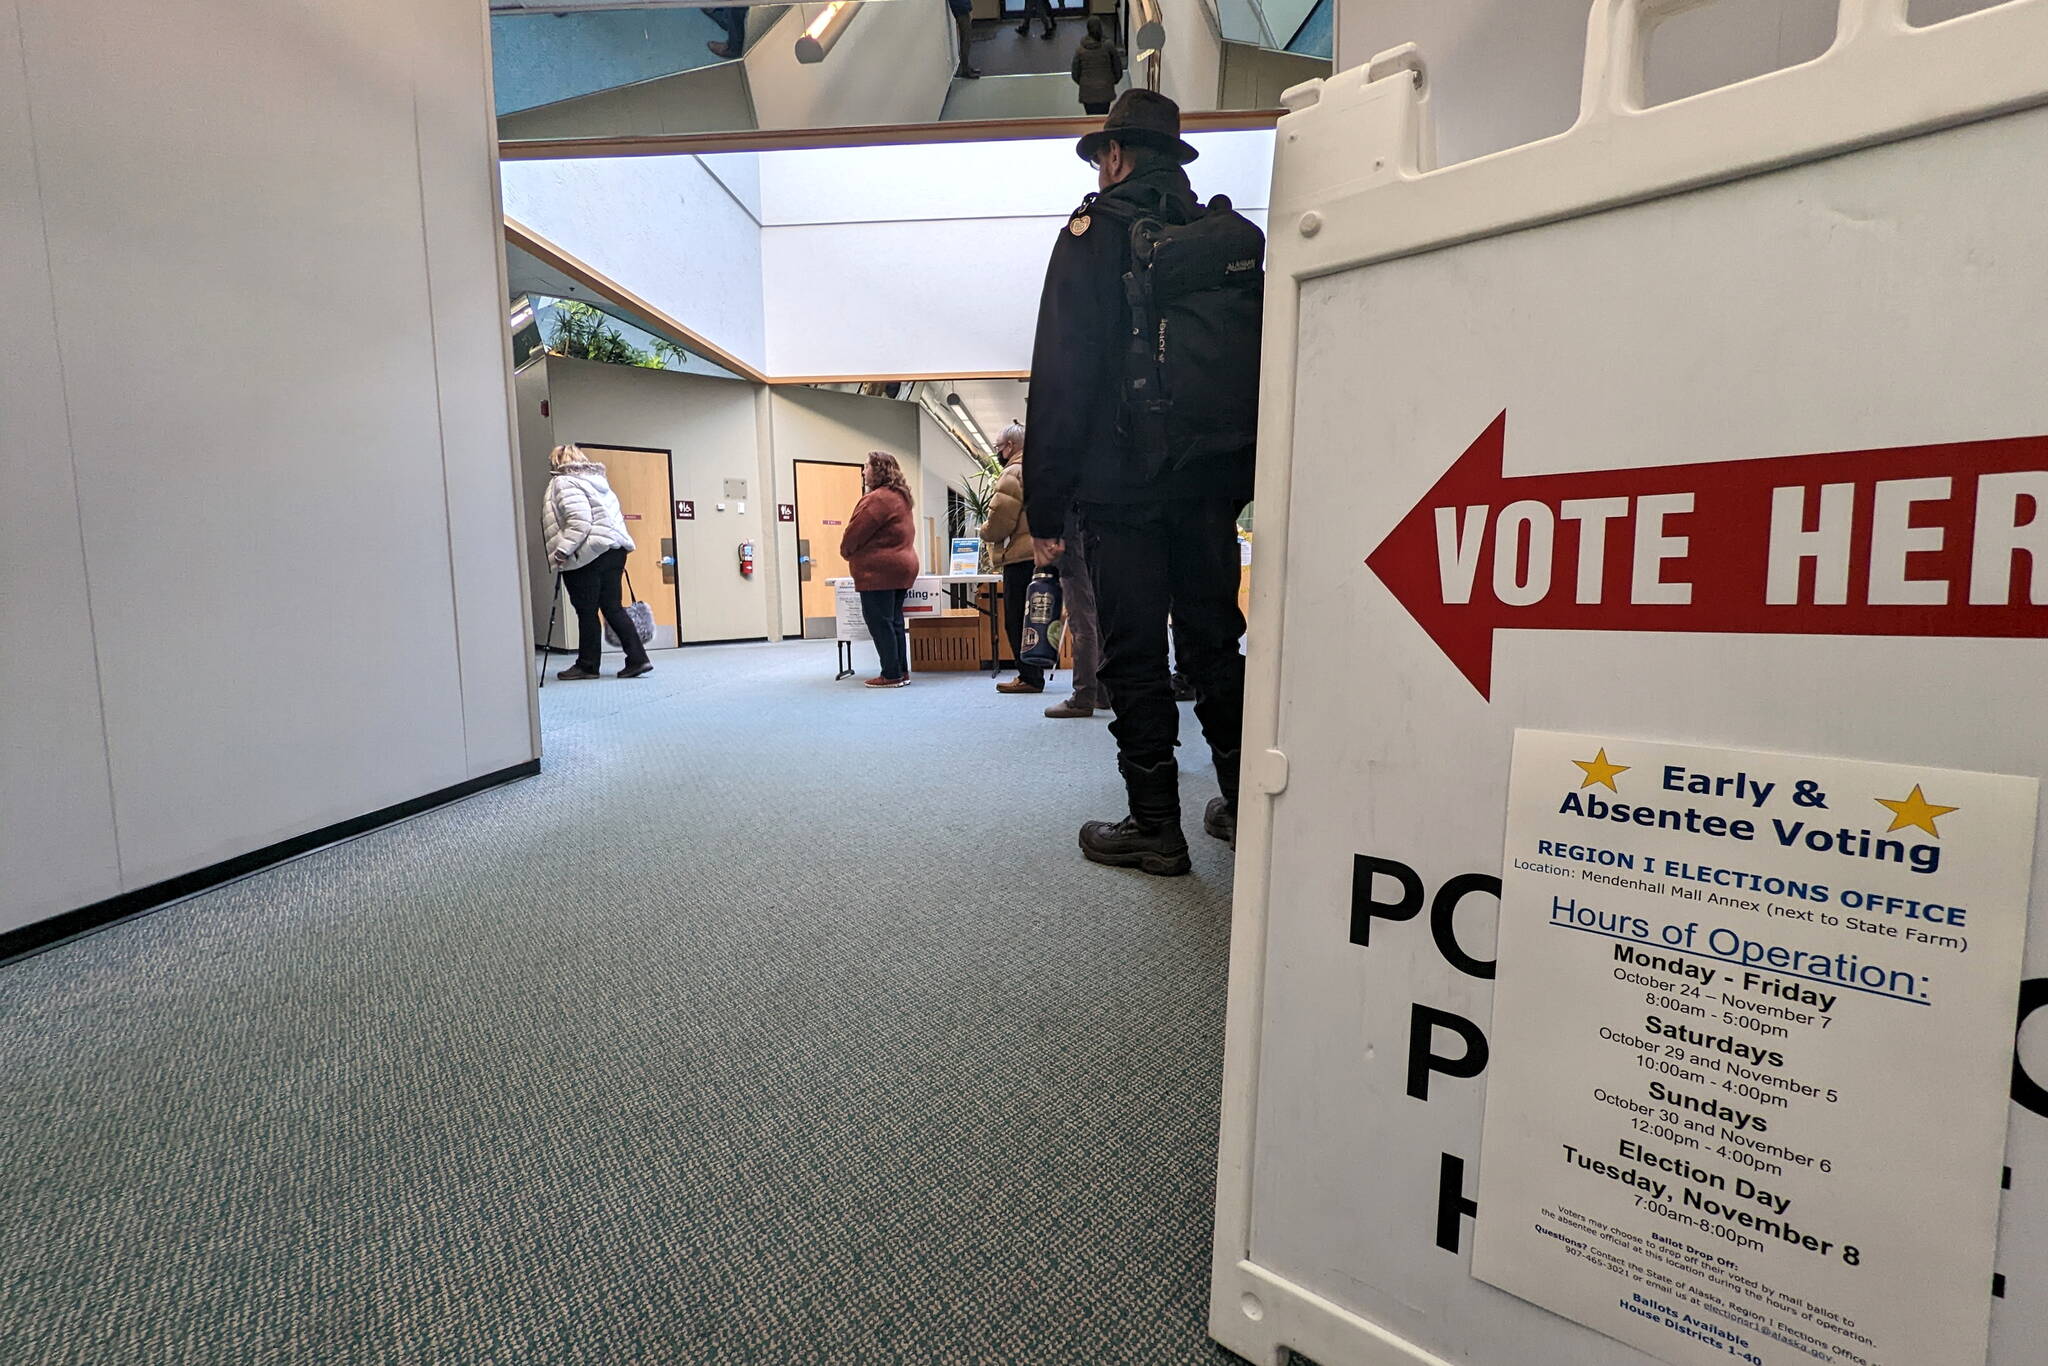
980 493
980 497
585 333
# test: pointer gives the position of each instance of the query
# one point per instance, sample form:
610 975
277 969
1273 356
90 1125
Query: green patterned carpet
777 1021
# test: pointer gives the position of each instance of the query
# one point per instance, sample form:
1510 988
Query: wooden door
825 495
642 480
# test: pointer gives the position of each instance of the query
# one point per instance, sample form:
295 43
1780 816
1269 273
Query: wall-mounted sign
1752 1043
785 512
686 510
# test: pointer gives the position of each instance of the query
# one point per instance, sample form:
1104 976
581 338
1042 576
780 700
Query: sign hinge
1266 771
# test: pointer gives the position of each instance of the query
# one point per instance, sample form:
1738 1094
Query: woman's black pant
1016 580
882 609
594 591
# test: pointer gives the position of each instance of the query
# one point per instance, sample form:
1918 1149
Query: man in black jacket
1158 544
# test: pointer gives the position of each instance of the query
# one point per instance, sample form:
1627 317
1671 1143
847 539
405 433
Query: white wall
893 64
946 466
55 792
666 228
709 426
740 173
790 259
958 285
957 295
719 429
536 437
930 181
1505 72
818 424
1191 66
206 533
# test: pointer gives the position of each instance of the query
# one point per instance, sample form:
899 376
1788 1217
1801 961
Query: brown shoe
1017 685
1061 711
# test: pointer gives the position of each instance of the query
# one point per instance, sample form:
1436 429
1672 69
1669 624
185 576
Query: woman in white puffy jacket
587 544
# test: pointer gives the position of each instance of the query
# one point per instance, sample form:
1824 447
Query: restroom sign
686 510
1948 540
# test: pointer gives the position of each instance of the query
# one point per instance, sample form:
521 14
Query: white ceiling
993 403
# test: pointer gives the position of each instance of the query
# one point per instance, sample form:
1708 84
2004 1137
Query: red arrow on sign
1947 540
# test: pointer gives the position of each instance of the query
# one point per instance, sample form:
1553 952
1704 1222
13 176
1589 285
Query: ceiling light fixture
973 428
824 30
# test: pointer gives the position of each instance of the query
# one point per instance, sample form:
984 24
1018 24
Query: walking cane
547 642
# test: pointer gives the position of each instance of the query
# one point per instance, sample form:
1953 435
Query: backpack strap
1143 403
1142 414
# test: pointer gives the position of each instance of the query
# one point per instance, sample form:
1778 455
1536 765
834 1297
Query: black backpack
1189 388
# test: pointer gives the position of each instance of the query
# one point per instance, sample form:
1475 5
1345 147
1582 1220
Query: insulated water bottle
1042 622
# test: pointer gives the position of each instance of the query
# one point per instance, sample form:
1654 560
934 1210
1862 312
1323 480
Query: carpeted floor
777 1021
999 50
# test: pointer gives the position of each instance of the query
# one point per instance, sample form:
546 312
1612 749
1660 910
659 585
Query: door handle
803 560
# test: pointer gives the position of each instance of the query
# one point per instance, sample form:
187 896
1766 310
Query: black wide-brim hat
1140 118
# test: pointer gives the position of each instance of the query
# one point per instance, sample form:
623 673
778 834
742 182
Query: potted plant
979 495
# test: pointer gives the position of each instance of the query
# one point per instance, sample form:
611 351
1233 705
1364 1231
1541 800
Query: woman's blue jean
882 609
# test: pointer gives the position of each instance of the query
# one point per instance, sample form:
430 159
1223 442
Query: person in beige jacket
1007 533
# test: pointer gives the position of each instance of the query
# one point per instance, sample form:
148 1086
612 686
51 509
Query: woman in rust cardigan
880 545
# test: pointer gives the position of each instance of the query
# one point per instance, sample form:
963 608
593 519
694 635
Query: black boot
1220 817
1149 839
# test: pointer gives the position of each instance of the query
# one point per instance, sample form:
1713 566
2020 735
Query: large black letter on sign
1451 1202
1442 925
1364 867
2025 1090
1422 1022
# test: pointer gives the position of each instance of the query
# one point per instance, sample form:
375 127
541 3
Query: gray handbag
641 615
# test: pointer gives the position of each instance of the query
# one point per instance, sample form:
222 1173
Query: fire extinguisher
746 559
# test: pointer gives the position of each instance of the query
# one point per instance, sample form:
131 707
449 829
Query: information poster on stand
1752 1049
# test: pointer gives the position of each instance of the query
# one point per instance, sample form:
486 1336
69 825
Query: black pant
1149 561
1017 579
1095 106
734 20
1036 9
965 24
882 609
593 589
